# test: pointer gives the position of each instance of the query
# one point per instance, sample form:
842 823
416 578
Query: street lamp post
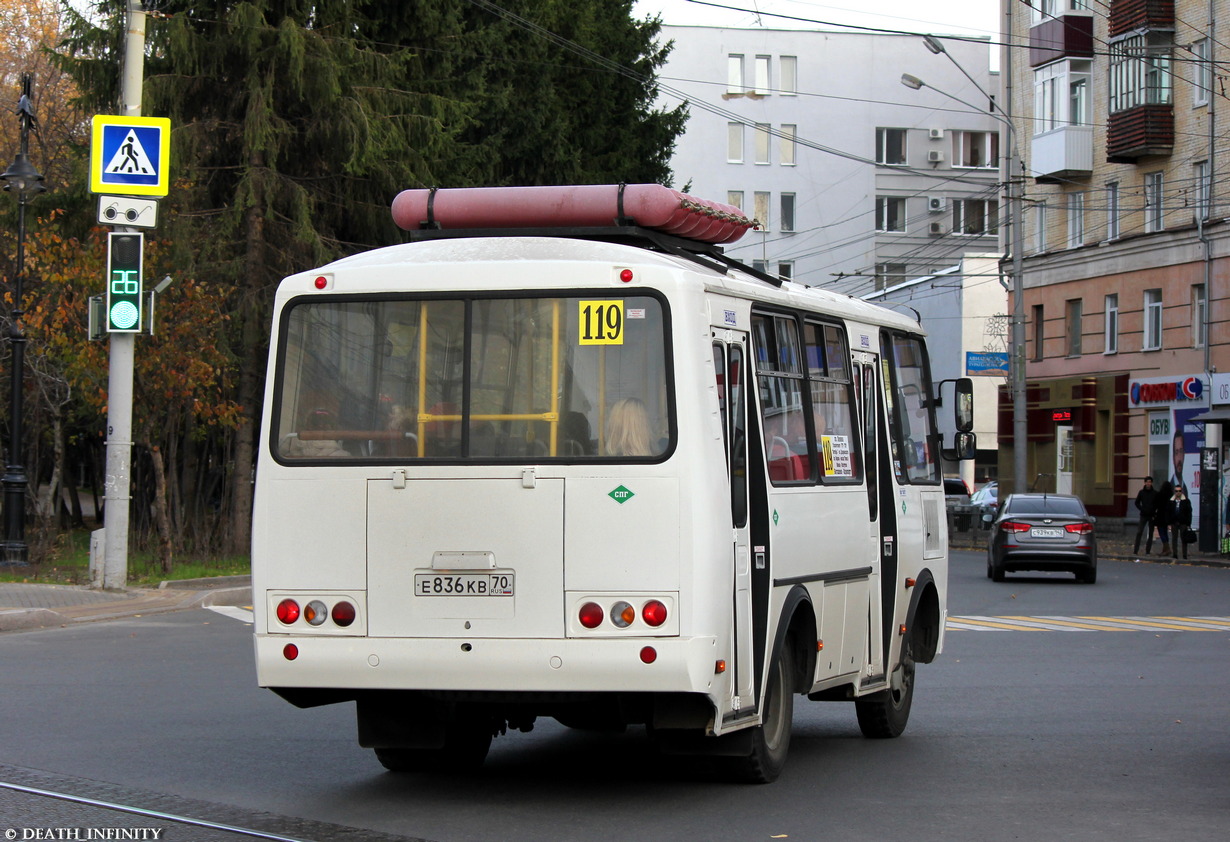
23 179
1015 202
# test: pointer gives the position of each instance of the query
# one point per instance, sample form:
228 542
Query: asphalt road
1089 735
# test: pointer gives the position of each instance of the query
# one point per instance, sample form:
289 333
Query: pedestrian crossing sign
130 156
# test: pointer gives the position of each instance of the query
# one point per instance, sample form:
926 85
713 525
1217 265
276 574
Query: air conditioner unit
935 156
936 229
935 204
935 134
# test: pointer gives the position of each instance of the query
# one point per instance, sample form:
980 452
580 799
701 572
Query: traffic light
124 297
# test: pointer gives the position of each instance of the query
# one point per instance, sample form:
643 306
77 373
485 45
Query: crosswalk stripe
1083 624
242 614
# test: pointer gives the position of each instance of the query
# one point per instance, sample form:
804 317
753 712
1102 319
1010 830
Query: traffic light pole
117 487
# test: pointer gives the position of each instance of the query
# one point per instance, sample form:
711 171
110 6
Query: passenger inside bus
310 442
627 429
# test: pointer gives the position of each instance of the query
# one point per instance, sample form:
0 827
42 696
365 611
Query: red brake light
649 655
290 651
653 613
1079 528
1014 526
288 611
343 614
591 615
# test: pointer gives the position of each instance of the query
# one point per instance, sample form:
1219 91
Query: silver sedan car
1043 532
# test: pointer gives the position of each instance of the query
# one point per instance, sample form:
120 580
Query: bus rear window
569 378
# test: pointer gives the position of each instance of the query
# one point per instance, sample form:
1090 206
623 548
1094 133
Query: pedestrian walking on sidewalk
1146 504
1180 520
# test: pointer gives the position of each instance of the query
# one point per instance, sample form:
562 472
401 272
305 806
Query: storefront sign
1166 391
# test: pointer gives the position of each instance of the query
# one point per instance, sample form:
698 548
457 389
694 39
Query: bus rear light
290 651
653 613
288 611
344 614
315 612
648 655
591 615
622 614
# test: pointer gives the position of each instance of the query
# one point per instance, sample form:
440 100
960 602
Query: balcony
1140 132
1069 36
1128 15
1062 153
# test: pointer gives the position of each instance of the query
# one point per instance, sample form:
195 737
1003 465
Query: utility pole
116 489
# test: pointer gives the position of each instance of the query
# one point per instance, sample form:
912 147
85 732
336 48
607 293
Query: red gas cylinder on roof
578 206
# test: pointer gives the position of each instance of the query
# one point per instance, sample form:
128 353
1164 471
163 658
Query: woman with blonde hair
627 429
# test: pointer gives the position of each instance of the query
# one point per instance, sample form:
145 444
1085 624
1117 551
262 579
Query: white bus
603 475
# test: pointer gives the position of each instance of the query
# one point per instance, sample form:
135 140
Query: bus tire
884 714
465 748
771 739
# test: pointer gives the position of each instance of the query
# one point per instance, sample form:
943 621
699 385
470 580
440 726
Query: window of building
1061 95
1154 210
735 197
762 137
1140 70
890 213
1112 325
761 76
889 274
1202 72
787 213
1040 226
789 83
1204 188
1112 210
788 144
1074 327
734 74
1039 334
785 270
760 208
975 217
890 146
1076 220
979 150
1153 320
761 266
1199 302
734 143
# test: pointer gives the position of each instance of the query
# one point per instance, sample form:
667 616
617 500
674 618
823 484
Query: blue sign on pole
130 155
986 363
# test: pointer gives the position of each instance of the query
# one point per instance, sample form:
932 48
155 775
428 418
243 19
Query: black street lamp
23 179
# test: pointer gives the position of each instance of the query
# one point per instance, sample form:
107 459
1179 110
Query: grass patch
68 563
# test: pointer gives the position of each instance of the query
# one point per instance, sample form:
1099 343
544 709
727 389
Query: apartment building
1116 107
859 182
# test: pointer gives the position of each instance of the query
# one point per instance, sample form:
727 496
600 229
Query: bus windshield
572 378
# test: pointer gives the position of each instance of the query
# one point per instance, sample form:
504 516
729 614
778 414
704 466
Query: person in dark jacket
1180 520
1163 514
1146 504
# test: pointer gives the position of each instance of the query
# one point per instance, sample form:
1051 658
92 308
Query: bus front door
729 360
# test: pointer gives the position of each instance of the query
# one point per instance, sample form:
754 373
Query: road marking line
1081 624
242 614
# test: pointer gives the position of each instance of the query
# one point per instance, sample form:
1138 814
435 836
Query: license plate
493 583
1044 532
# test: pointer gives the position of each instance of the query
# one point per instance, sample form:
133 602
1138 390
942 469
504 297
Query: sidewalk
26 606
1113 545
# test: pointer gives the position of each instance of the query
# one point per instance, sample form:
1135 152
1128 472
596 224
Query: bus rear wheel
465 748
885 714
771 739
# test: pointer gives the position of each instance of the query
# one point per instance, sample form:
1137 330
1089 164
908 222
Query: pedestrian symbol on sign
130 158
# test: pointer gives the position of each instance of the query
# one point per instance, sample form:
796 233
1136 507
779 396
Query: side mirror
964 446
963 410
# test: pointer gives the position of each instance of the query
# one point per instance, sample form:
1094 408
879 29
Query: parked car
1043 532
985 504
956 499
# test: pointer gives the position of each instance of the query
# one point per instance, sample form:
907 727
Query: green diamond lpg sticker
621 495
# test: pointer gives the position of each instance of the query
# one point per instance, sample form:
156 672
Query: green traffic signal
124 295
